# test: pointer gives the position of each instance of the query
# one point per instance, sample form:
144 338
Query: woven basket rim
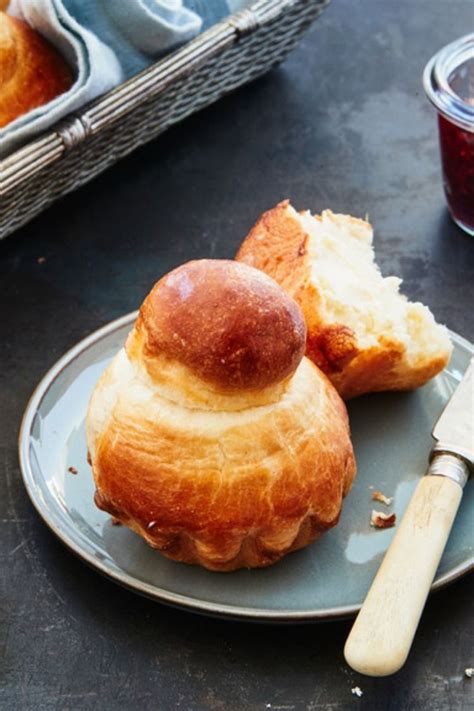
76 126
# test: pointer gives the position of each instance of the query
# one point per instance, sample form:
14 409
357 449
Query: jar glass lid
448 80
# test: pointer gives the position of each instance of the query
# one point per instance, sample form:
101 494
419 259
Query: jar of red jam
449 84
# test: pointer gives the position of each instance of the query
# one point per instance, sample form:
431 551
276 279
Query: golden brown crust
331 347
278 244
225 490
228 324
32 72
379 368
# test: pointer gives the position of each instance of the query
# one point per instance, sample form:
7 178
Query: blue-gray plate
329 579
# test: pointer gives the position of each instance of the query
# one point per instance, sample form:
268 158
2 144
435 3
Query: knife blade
454 430
383 632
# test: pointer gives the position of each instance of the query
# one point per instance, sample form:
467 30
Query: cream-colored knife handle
381 637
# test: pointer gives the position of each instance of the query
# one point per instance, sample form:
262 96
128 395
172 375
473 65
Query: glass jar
448 80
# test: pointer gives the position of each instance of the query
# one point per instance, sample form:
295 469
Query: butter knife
383 632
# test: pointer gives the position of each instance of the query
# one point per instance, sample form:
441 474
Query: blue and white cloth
106 42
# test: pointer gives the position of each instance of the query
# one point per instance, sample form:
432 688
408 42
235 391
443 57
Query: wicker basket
231 53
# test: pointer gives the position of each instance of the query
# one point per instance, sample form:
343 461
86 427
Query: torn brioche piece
362 332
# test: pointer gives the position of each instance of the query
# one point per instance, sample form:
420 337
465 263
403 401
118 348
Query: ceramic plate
330 578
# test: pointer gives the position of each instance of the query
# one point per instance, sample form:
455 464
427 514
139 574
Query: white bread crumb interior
355 293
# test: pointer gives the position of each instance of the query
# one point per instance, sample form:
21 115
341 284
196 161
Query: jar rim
436 81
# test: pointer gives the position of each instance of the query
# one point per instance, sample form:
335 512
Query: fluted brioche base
252 551
225 489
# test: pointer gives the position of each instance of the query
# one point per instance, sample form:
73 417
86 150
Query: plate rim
132 583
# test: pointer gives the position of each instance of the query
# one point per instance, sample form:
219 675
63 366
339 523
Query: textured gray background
343 124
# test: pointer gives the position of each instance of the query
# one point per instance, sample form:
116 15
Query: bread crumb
469 672
73 470
379 519
115 521
357 691
378 496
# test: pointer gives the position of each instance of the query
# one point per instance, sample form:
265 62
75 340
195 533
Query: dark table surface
342 124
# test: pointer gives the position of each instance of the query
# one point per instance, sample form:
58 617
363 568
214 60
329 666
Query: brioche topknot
230 324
